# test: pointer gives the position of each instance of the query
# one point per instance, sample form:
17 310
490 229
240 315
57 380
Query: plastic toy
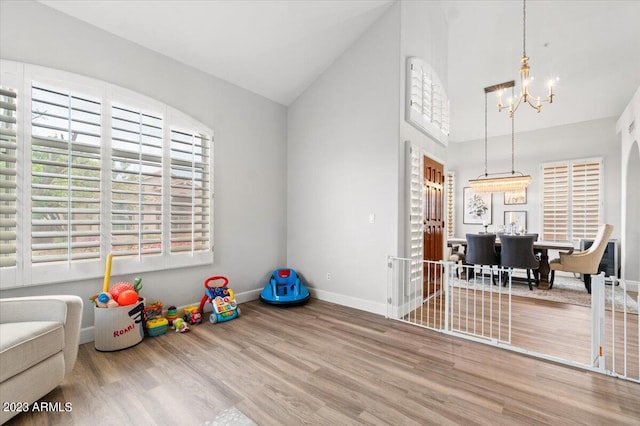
153 310
122 286
285 289
172 315
192 315
157 326
222 299
180 325
127 297
104 300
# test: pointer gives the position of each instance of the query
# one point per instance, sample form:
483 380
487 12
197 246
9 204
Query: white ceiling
278 48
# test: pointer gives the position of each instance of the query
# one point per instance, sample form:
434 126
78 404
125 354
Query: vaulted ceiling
278 48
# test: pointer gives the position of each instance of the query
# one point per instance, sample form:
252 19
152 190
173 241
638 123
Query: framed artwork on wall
477 207
515 197
517 218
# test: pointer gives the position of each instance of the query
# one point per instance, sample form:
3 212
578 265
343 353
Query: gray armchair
38 346
584 262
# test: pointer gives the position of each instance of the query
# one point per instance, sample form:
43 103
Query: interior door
433 229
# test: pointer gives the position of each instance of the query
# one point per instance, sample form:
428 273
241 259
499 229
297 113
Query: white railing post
597 321
448 287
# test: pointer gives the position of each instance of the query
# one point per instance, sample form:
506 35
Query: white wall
342 167
595 138
424 34
249 147
346 158
629 133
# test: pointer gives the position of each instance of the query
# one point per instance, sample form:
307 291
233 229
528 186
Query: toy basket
118 328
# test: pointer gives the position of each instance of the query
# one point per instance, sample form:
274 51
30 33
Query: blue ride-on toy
285 289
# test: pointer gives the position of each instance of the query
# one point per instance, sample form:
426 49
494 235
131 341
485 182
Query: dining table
541 247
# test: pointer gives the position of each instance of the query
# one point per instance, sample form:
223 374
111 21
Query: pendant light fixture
506 181
525 79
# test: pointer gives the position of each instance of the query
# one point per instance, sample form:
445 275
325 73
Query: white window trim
20 76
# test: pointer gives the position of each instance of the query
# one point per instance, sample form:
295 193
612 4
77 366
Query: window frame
20 76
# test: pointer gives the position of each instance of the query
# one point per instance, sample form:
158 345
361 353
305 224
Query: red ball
127 297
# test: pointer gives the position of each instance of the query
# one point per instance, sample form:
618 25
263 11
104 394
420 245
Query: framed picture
477 207
515 197
519 220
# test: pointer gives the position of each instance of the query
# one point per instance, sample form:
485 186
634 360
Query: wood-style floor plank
330 365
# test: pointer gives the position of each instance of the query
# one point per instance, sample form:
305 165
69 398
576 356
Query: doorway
433 223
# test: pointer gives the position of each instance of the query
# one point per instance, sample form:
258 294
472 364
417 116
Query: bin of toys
119 328
118 314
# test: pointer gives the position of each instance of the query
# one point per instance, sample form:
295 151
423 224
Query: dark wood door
433 222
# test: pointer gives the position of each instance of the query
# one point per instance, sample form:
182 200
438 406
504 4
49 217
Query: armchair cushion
25 344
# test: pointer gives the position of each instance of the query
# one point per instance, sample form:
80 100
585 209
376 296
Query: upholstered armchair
481 250
39 338
584 262
517 252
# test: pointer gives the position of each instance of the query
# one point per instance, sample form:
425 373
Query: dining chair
585 262
481 250
517 253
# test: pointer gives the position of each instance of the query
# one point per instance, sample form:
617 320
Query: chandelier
525 80
501 182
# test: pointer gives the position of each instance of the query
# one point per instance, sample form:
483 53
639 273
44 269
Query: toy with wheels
285 289
222 299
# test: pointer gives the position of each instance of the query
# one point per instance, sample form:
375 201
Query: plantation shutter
136 182
555 224
428 104
8 186
190 192
585 199
451 205
416 215
65 175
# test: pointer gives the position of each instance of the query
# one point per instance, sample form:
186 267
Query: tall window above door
571 199
427 101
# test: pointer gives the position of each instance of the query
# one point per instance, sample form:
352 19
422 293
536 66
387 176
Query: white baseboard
351 302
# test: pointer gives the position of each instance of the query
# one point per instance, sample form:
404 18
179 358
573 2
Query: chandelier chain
513 144
485 134
524 28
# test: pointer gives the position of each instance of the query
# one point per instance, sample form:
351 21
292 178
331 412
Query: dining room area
531 257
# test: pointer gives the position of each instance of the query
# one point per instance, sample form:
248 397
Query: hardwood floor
328 364
560 330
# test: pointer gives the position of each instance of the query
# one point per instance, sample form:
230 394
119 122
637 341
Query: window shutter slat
8 173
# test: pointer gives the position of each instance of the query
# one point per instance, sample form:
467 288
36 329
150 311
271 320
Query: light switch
372 218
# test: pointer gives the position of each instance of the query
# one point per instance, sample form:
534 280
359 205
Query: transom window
106 171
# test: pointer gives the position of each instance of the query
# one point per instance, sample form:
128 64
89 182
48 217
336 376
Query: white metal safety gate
615 325
444 296
476 303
